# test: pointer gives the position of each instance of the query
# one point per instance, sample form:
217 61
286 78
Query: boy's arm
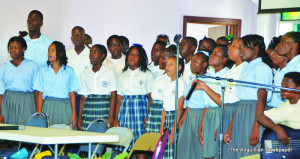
280 132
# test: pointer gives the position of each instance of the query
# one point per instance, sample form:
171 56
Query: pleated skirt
242 128
154 116
169 121
17 107
95 106
188 141
58 110
229 110
133 111
210 126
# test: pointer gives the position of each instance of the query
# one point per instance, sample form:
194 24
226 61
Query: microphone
191 91
21 127
177 38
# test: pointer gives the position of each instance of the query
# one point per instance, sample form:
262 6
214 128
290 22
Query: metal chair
100 126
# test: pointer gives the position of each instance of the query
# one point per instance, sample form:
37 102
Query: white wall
140 20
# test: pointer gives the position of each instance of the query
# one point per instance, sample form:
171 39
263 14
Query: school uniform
254 71
156 71
97 88
230 102
169 107
116 64
287 114
37 49
56 88
188 141
156 106
212 118
79 62
134 87
292 66
18 102
187 73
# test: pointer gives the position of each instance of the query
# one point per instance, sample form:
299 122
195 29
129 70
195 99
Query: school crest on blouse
105 84
140 82
173 92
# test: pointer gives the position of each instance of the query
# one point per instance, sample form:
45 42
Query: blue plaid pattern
133 111
154 116
169 121
95 106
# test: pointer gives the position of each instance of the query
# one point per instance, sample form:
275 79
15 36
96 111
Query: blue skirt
154 116
242 128
95 106
169 122
17 107
229 110
59 110
210 126
133 111
188 141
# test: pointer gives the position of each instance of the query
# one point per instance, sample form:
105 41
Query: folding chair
125 138
98 125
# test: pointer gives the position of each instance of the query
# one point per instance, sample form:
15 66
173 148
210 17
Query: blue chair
100 126
38 119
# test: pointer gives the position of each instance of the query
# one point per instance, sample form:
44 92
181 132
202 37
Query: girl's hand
145 121
79 124
171 138
200 85
227 137
200 136
254 138
1 119
116 123
110 121
73 120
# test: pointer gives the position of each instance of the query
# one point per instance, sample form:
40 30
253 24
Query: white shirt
158 87
102 82
116 64
230 89
79 62
169 93
287 114
187 73
135 82
155 70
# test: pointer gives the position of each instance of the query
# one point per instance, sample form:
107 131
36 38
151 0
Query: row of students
250 48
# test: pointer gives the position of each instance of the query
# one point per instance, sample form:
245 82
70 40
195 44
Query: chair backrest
98 125
161 144
125 136
38 119
146 142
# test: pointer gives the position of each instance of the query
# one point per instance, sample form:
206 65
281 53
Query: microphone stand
176 40
223 85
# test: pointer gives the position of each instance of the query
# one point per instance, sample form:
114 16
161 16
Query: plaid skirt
59 110
133 111
242 128
169 121
95 106
17 107
154 116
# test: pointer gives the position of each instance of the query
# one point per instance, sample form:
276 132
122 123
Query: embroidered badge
140 82
105 84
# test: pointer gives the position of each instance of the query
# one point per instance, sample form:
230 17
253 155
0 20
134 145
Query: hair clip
203 52
136 44
229 37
